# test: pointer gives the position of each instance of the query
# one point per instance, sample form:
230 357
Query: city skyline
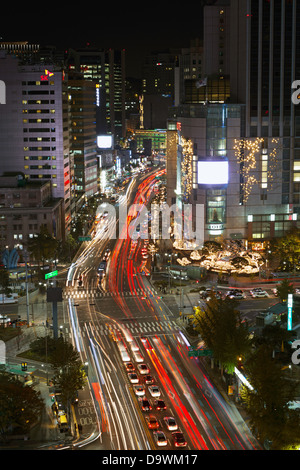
139 34
160 216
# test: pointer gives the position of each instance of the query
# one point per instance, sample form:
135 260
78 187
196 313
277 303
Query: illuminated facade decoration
249 154
186 168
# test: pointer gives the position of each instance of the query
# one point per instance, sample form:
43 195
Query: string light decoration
247 152
187 168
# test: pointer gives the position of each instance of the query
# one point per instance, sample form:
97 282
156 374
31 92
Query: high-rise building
34 131
107 69
253 135
83 137
265 38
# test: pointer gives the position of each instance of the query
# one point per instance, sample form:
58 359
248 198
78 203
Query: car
133 346
160 438
236 295
171 423
129 367
152 422
133 377
258 294
179 440
137 356
139 390
256 289
145 404
160 405
143 369
154 391
149 380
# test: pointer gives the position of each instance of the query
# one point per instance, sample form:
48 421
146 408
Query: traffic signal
24 366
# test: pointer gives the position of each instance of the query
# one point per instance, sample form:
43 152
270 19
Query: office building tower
83 137
264 64
255 134
34 131
107 69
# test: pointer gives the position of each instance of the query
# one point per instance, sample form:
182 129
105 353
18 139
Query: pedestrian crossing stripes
96 293
135 328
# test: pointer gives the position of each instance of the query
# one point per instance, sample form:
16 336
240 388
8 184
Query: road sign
199 352
52 274
85 239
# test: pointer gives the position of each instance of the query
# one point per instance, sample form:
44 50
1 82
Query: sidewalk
45 432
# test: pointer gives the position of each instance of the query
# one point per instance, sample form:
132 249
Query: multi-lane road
123 306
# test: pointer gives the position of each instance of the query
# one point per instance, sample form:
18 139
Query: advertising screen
210 172
104 141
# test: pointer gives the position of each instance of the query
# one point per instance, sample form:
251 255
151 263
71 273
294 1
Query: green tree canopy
287 249
69 374
43 246
268 402
20 405
285 288
222 330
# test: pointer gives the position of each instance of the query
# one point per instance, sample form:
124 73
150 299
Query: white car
237 295
171 423
143 369
258 294
160 438
256 289
139 390
133 378
154 390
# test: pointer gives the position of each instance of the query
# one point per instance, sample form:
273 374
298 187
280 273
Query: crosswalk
135 328
96 293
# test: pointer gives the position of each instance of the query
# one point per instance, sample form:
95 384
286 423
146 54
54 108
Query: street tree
268 401
285 288
4 282
222 330
43 246
20 405
69 374
287 249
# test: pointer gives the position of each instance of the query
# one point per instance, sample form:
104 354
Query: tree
69 375
69 382
4 282
20 405
222 330
67 248
267 402
285 288
287 248
43 246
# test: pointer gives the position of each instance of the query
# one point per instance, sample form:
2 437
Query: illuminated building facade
107 69
34 133
83 148
255 127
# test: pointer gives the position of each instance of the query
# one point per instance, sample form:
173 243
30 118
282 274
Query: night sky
139 30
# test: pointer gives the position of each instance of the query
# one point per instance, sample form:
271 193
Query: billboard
212 172
104 141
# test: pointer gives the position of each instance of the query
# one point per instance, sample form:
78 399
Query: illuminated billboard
212 172
104 141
